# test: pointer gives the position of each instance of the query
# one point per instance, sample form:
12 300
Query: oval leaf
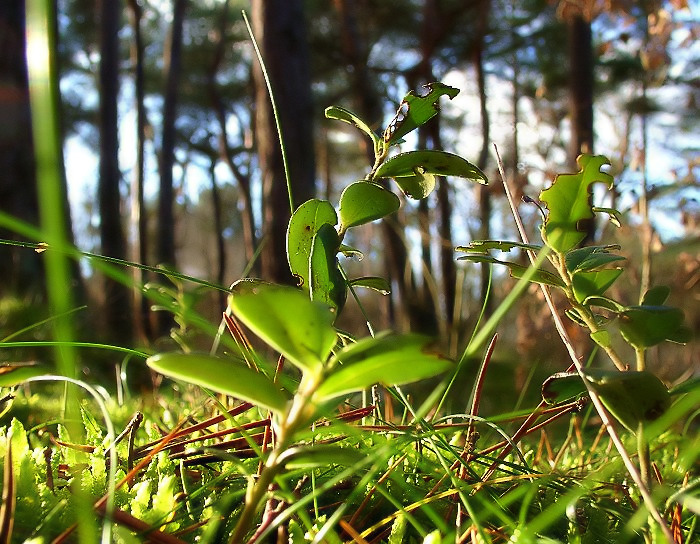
413 164
388 359
593 283
365 201
303 226
646 326
286 319
632 397
326 282
341 114
221 375
380 285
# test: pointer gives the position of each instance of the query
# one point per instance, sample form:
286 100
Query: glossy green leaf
568 202
365 201
562 387
631 397
378 284
388 359
591 258
285 318
646 326
303 226
413 171
416 110
656 296
593 283
517 270
602 338
221 375
326 282
14 373
604 302
351 252
484 246
341 114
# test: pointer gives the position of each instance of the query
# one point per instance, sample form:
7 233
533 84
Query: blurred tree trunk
485 204
117 296
219 229
139 234
21 269
580 48
280 33
172 67
226 154
165 243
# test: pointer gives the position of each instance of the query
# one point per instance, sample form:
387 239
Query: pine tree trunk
281 37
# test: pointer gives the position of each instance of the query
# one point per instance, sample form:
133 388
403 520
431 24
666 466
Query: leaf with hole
568 202
303 226
414 171
416 110
364 201
225 376
389 359
326 282
286 319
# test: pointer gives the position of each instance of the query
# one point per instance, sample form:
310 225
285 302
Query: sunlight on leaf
568 202
365 201
286 319
221 375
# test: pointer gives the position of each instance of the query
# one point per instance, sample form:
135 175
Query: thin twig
559 324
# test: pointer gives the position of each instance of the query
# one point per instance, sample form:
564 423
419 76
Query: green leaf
299 328
604 302
484 246
351 252
326 282
646 326
389 359
602 338
221 375
413 171
656 296
378 284
14 373
614 215
517 270
593 283
591 258
568 202
415 111
365 201
562 386
303 226
632 397
341 114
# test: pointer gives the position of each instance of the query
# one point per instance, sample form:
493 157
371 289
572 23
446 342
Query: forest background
171 156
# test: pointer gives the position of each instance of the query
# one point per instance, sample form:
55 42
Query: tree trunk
280 33
139 234
172 67
21 269
117 297
581 97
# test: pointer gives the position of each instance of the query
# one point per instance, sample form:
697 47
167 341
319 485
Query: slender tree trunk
139 227
243 180
117 296
172 67
280 33
219 232
581 96
21 269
